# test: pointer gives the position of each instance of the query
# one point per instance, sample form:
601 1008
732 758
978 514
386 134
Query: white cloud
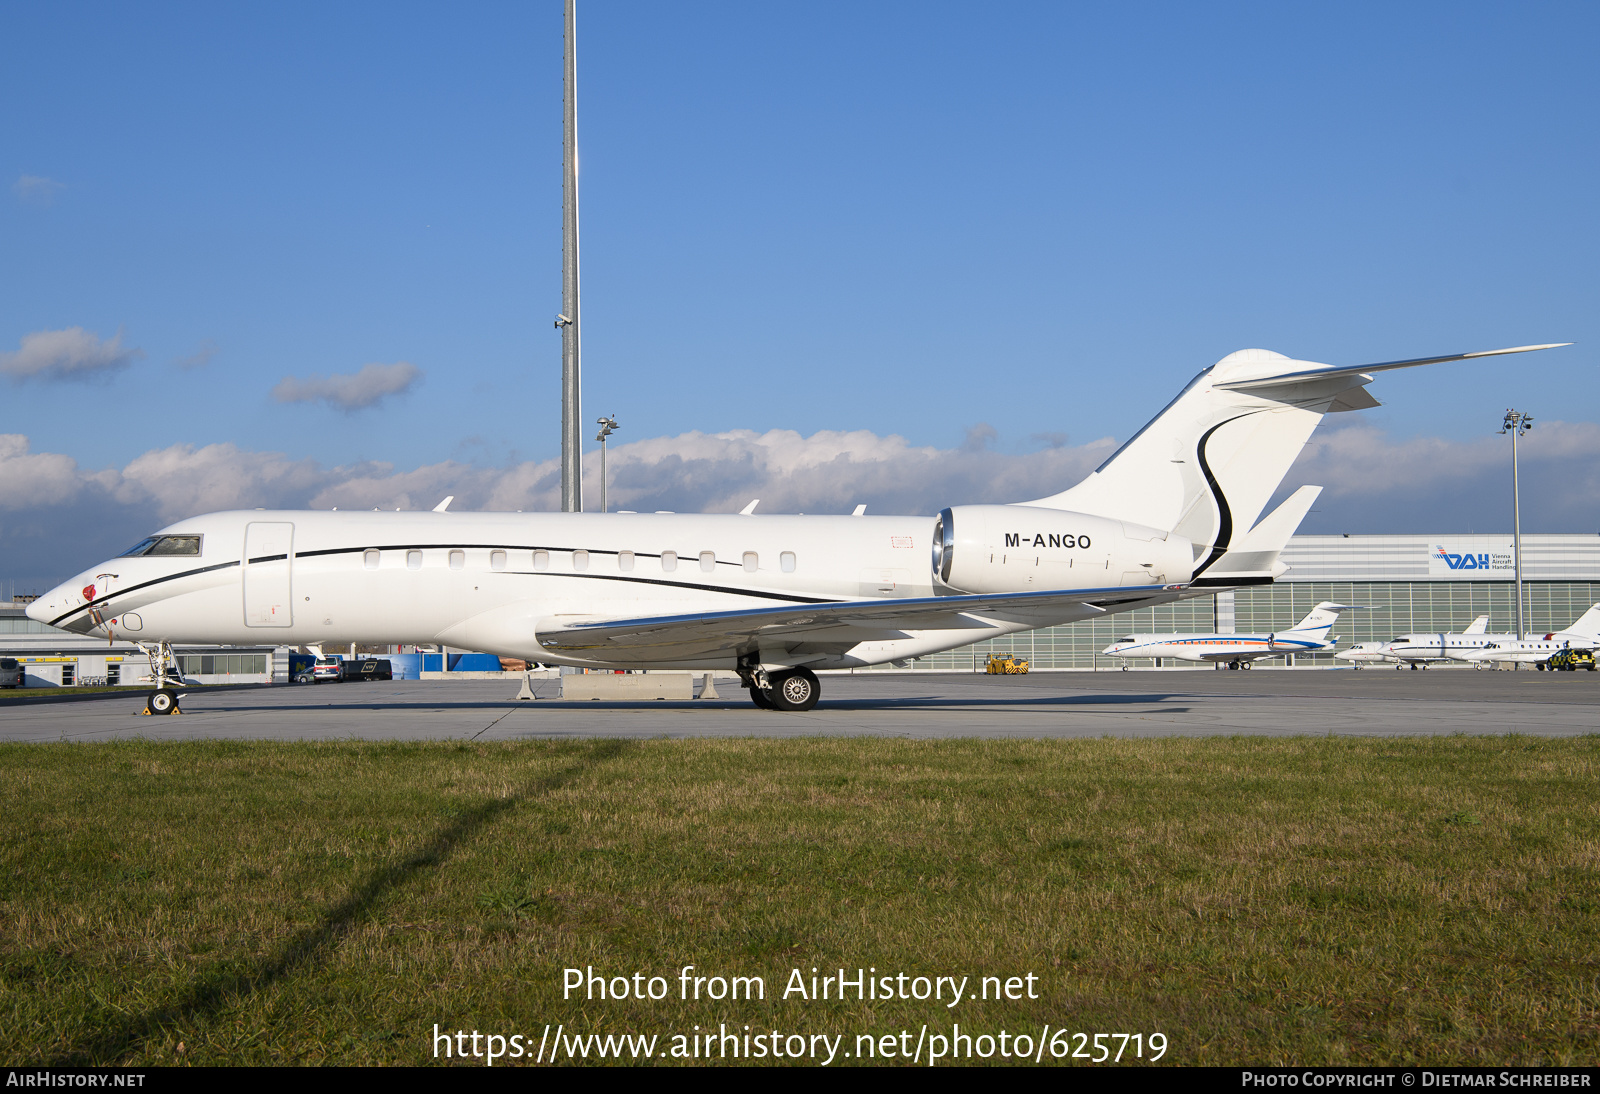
71 354
59 516
1374 482
349 393
200 357
36 189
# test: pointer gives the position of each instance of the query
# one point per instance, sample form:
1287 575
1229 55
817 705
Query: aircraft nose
41 610
55 603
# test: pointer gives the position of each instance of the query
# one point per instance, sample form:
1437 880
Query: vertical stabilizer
1322 617
1253 558
1479 625
1206 466
1588 624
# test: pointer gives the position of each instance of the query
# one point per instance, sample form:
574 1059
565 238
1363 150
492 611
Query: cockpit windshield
165 545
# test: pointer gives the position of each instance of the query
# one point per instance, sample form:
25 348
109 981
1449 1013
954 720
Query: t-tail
1320 618
1206 466
1587 626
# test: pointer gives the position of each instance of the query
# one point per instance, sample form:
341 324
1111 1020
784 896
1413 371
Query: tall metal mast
567 321
1516 423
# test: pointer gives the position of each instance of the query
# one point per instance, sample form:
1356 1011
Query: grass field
1274 901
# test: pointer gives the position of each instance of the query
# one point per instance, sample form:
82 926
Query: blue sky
908 219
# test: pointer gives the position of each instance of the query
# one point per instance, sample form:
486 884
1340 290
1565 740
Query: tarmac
1373 702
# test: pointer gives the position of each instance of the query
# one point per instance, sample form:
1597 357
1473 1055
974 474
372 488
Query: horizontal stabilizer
1324 372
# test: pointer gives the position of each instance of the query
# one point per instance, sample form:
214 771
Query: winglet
751 508
444 505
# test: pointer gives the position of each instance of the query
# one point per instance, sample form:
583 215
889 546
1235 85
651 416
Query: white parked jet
1424 648
1236 650
1582 635
1363 653
1172 514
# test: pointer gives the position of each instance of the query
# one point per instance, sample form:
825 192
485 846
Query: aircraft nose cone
55 603
39 610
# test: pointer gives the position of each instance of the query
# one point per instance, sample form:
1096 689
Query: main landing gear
781 689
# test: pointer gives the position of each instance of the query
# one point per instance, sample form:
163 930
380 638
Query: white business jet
1582 635
1424 649
1310 635
1364 653
1172 514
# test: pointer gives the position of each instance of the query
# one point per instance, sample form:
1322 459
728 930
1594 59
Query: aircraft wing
842 623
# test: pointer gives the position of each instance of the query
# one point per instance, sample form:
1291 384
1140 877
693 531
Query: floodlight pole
567 321
608 426
1516 423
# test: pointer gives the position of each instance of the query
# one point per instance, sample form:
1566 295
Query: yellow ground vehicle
1006 664
1570 661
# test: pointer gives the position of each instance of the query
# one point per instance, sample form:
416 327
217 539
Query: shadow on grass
224 984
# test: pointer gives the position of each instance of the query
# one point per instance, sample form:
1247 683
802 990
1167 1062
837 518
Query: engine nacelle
1021 548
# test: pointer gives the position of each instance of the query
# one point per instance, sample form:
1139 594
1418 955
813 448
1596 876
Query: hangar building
1408 583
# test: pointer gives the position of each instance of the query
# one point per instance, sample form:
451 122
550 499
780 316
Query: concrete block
629 686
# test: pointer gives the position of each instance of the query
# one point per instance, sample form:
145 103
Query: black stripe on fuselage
106 599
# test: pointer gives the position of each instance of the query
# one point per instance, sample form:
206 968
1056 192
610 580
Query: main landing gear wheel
797 689
759 698
164 701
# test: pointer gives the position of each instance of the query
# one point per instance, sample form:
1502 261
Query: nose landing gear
165 673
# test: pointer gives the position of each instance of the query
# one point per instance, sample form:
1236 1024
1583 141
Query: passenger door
268 566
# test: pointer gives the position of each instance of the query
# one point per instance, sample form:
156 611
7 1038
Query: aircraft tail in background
1588 624
1322 617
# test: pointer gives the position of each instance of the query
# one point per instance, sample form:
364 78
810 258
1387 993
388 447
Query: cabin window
458 560
370 558
786 561
497 560
541 560
708 561
413 560
624 560
752 562
580 560
669 561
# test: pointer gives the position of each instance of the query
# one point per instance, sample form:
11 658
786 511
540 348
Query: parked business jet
1236 650
1364 653
1171 514
1424 649
1535 650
